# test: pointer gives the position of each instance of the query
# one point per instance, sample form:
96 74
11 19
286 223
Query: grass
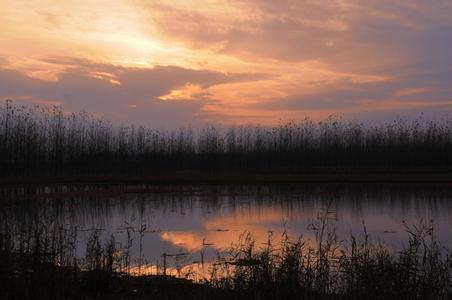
354 269
40 262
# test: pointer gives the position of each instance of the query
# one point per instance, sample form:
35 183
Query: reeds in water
290 269
353 269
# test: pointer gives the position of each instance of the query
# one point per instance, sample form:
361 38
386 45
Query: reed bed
43 257
35 140
351 269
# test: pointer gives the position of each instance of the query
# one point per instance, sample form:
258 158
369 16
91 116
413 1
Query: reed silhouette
36 140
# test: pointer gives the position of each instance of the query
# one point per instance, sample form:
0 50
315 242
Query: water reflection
192 225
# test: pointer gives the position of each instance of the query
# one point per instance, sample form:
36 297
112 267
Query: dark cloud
78 89
160 80
98 96
81 63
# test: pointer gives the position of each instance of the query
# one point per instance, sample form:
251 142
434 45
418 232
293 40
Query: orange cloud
318 58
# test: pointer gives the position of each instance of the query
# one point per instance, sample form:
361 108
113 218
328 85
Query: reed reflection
203 222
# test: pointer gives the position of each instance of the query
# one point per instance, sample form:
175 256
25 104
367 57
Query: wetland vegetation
40 262
49 257
42 143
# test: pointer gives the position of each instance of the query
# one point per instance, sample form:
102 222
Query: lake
192 226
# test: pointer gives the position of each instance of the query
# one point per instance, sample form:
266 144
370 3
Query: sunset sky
176 62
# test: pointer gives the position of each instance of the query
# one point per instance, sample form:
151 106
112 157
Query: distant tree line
40 140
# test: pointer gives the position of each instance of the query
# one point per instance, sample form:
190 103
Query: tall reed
35 140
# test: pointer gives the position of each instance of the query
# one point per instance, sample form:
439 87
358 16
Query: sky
169 63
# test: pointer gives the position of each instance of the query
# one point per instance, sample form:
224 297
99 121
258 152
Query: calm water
197 223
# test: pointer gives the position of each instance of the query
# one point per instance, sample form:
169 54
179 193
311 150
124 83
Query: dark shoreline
48 281
212 177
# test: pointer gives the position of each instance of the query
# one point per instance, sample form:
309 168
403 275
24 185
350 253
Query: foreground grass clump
43 260
42 141
350 270
41 264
